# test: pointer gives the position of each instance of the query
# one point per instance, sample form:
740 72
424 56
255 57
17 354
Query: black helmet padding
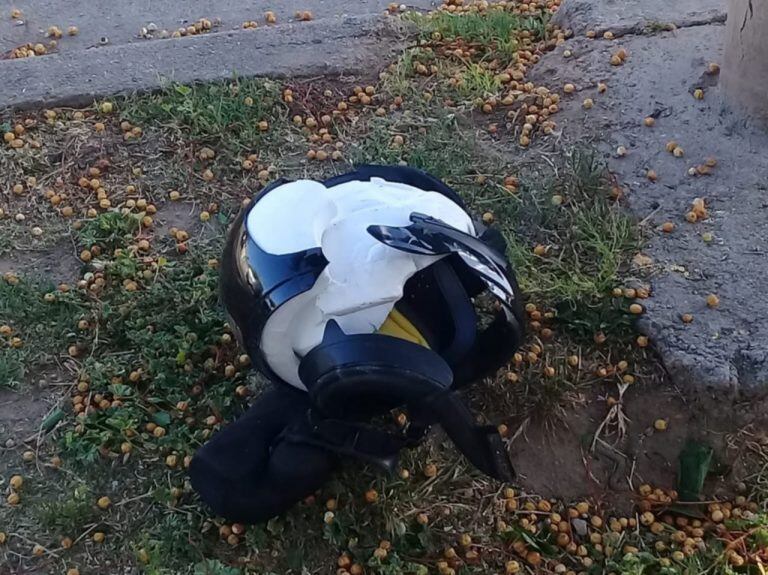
360 376
248 473
365 375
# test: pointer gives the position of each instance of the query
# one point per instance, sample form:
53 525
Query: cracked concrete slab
342 37
725 347
632 16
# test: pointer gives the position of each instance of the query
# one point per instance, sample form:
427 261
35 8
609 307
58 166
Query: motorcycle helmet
363 293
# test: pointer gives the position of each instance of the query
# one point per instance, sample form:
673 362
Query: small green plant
215 567
110 230
495 31
226 113
41 320
70 513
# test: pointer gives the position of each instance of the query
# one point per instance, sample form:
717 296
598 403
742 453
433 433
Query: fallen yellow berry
104 502
713 301
371 496
649 121
658 425
533 557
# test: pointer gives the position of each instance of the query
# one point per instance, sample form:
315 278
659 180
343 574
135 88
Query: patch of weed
69 513
110 229
433 144
589 240
40 317
226 114
495 31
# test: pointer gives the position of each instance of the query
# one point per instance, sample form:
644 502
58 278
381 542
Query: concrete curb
636 16
329 46
722 347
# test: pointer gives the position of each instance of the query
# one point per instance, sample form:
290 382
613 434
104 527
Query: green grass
226 113
43 326
494 30
435 144
591 240
69 513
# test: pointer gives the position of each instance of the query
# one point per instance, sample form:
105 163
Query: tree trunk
745 69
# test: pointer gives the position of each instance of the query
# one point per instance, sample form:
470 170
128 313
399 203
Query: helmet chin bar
345 382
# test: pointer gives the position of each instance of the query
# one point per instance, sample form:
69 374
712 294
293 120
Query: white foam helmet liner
363 279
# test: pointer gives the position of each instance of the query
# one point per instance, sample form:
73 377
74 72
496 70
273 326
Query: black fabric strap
480 444
361 441
462 313
245 473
